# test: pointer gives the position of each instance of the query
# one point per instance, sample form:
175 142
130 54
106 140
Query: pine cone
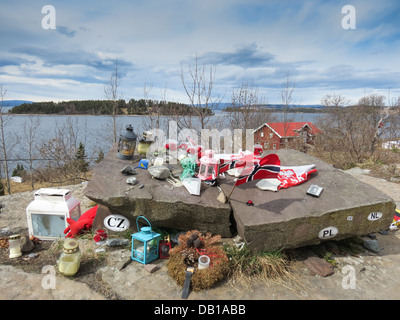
198 243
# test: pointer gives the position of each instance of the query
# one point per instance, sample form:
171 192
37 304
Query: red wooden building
273 136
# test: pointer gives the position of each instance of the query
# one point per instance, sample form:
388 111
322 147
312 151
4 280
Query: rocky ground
359 273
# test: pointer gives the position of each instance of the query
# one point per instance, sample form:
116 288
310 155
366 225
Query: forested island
105 107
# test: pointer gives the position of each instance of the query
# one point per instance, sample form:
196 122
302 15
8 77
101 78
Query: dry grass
27 186
250 268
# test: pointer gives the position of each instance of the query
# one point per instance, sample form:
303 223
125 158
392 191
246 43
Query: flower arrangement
192 245
100 235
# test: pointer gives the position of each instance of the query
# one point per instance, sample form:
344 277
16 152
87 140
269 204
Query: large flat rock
290 218
159 201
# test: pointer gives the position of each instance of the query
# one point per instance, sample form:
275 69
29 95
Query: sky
323 47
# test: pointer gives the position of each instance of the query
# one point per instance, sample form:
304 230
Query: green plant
80 158
246 265
328 258
18 171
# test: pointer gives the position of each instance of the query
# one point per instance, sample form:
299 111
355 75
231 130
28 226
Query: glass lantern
165 246
127 144
14 243
258 150
70 258
208 167
145 243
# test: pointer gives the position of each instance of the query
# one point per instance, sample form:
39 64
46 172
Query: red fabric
290 178
84 222
268 168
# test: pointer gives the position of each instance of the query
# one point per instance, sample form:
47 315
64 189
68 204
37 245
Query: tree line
105 107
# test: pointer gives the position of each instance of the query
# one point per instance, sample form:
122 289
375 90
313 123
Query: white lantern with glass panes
47 214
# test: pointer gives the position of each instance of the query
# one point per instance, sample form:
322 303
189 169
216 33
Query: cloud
245 56
66 31
252 41
63 56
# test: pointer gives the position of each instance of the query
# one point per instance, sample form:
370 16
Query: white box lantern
47 214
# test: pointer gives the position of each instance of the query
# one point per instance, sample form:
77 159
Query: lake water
94 131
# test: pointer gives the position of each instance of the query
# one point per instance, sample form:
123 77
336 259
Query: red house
273 136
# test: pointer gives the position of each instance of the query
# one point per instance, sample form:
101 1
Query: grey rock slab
161 203
290 218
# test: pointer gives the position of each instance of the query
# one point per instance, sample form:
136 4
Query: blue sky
246 41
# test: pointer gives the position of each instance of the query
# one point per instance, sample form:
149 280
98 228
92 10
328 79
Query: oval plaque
328 232
116 222
375 216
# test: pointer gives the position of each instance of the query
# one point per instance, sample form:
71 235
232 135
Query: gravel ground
113 276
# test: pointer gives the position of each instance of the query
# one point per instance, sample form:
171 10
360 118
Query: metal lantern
145 243
127 144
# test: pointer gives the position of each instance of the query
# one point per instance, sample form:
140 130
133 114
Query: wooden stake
231 191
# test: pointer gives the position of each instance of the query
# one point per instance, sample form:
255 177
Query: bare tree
287 90
155 117
30 142
350 132
61 150
198 82
334 101
4 119
247 109
111 91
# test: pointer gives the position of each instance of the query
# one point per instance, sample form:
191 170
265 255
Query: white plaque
328 232
375 216
116 222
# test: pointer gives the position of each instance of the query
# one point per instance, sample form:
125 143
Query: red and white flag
293 176
267 168
238 162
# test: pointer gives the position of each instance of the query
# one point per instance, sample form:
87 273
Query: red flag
267 168
238 162
290 177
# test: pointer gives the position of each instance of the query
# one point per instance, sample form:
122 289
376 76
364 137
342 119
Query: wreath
192 245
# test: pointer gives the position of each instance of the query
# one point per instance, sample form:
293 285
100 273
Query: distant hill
13 103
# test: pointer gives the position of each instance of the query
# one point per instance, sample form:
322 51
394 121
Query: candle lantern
127 144
70 258
258 150
165 246
208 170
47 214
204 262
14 243
144 142
145 243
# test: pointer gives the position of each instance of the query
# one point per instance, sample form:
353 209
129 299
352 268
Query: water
95 132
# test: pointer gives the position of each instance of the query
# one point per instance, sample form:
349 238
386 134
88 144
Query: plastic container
70 258
204 262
